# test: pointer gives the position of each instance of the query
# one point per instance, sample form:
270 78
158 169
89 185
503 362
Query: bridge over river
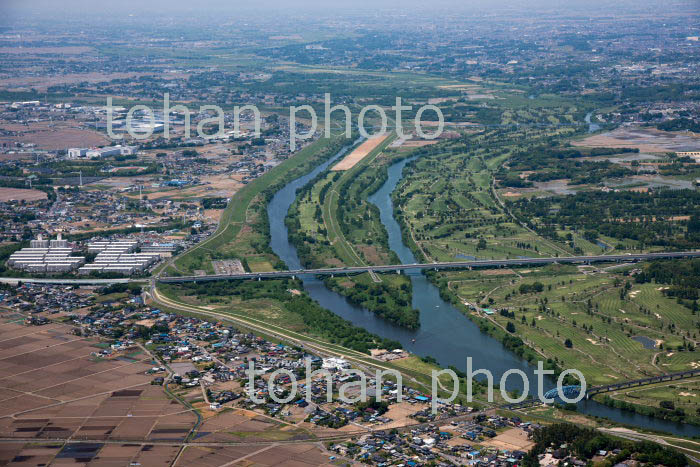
572 391
493 263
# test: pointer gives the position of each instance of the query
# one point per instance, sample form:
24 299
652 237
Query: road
495 263
50 280
678 443
485 263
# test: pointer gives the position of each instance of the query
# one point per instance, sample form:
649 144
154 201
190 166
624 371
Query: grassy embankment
264 308
242 231
331 223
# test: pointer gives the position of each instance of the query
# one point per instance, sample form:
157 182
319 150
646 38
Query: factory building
75 153
118 257
44 256
115 247
165 250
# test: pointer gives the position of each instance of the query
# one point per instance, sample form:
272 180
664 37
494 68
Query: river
445 333
592 127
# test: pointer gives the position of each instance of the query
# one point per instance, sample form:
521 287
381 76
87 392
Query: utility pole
81 179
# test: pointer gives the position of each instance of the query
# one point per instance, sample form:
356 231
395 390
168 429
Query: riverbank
408 251
247 206
445 333
330 225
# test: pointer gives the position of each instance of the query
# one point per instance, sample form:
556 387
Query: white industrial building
44 256
75 153
115 247
95 153
118 257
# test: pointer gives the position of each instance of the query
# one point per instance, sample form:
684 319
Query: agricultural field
20 194
110 403
73 393
360 152
645 139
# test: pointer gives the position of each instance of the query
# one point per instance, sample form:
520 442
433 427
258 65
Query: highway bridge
397 268
642 382
65 281
572 391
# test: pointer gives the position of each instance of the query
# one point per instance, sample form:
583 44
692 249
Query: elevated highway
397 268
572 391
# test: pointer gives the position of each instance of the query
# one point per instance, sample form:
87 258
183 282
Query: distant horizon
127 7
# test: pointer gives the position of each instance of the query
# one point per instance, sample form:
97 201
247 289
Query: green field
332 224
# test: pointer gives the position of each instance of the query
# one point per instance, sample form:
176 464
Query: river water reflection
445 333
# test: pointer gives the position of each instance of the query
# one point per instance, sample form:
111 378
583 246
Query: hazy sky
83 6
15 12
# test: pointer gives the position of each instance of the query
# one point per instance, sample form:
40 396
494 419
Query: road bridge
642 382
64 281
493 263
572 391
397 268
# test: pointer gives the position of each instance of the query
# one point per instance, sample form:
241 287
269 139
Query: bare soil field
645 139
360 152
418 143
41 83
307 454
19 194
54 136
400 414
497 272
514 439
213 214
216 186
229 266
70 50
28 453
55 387
460 86
441 100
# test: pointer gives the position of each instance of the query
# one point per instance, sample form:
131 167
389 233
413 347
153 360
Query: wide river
445 333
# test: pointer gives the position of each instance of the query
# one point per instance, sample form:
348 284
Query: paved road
436 266
490 263
15 280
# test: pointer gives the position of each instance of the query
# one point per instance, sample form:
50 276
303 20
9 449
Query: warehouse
112 261
44 256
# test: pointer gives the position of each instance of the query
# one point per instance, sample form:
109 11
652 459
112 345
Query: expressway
397 268
494 263
607 388
60 281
